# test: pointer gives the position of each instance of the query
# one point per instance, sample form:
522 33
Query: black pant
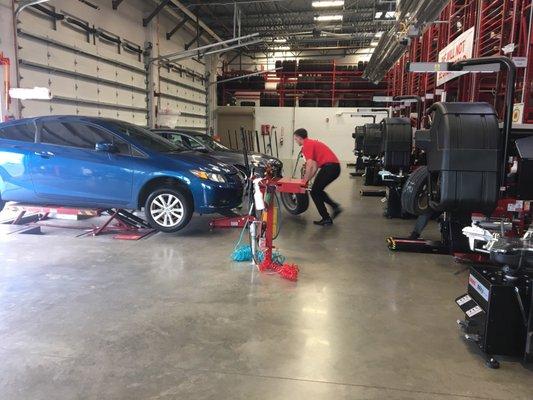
327 174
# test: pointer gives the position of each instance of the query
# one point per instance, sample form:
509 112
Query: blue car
104 163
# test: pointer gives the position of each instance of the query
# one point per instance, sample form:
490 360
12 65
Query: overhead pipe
26 3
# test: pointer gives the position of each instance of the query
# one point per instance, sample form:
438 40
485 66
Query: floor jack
452 239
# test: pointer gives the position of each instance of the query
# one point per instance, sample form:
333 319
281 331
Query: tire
415 198
174 220
295 203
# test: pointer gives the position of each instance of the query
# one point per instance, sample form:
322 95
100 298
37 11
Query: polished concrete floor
171 317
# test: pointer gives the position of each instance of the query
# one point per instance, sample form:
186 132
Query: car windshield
211 143
146 138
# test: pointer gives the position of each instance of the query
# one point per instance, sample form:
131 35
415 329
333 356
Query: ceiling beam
157 10
180 25
116 3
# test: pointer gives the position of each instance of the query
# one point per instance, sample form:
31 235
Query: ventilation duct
413 16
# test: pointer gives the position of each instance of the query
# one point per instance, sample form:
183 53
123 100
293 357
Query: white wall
333 126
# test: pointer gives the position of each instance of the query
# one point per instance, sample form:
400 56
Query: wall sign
461 48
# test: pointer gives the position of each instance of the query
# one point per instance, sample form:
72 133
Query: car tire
295 203
415 199
169 209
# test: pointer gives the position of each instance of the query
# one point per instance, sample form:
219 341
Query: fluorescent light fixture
390 14
37 93
378 15
328 18
379 34
281 48
280 40
324 4
374 43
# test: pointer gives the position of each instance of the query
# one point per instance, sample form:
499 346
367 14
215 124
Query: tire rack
342 85
498 23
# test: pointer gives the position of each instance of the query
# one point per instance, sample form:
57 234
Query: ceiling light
280 40
328 18
323 4
374 43
281 48
379 34
378 15
390 14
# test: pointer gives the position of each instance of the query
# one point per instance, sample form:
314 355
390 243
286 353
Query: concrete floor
170 317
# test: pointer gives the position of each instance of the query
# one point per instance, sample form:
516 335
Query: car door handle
44 154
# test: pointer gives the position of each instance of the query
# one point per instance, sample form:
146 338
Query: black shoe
336 211
324 222
414 235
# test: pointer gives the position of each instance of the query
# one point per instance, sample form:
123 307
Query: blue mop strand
242 253
277 257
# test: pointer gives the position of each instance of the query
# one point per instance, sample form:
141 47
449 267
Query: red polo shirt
319 152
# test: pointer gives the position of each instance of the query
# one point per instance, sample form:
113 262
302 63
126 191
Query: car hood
202 161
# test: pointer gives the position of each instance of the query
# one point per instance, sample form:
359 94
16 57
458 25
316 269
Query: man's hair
301 133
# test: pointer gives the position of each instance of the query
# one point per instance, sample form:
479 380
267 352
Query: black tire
170 222
415 198
295 203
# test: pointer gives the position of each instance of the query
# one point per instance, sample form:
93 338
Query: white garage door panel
124 76
106 71
108 113
86 65
139 100
61 58
124 97
63 86
31 78
87 111
86 91
139 80
71 34
31 50
107 94
36 21
139 119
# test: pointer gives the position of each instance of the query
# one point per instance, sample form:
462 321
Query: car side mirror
106 147
202 149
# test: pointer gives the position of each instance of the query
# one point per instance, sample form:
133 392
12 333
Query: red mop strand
286 271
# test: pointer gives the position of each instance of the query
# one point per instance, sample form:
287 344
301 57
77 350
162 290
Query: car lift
127 226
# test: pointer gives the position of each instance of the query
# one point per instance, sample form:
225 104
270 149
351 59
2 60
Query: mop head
278 265
242 253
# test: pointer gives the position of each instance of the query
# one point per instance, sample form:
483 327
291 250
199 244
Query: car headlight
209 176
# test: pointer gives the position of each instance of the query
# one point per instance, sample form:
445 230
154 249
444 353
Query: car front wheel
168 209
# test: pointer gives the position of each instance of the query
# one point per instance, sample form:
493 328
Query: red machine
269 186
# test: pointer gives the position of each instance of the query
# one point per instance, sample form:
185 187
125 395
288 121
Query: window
193 143
145 138
20 132
83 136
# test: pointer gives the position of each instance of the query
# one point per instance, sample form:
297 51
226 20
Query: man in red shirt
319 158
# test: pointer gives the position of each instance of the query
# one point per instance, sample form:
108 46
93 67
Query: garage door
93 71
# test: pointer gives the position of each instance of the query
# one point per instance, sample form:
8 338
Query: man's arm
311 167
